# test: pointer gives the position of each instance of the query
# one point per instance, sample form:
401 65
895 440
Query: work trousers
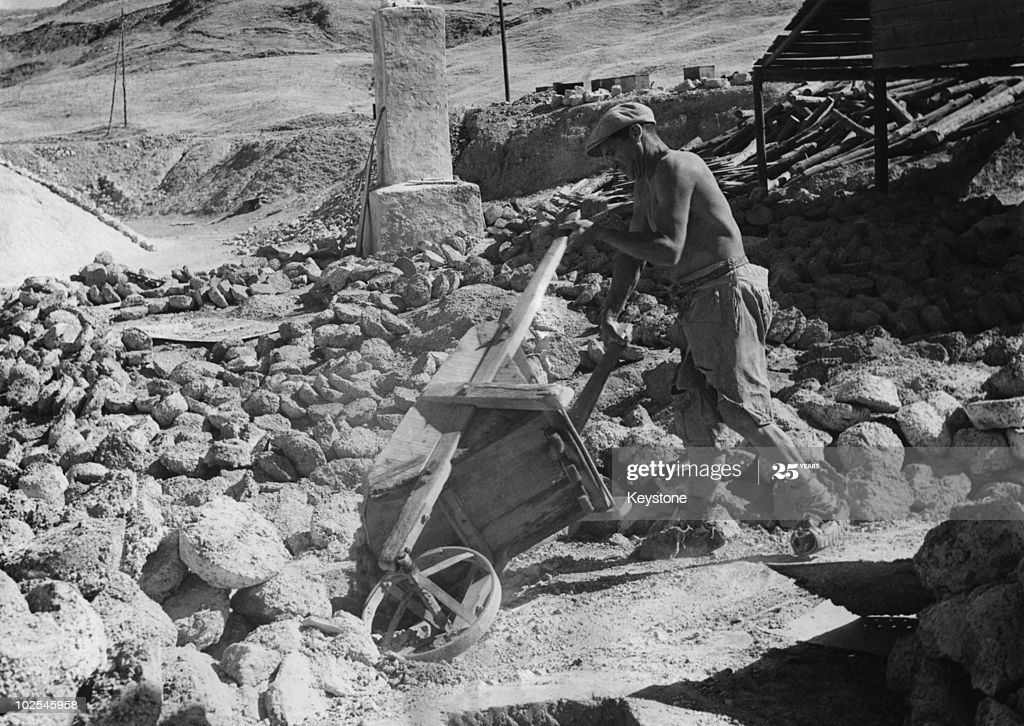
724 312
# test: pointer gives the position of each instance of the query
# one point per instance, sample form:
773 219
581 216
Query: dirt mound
46 235
517 149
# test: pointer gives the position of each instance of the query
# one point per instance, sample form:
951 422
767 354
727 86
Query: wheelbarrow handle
585 402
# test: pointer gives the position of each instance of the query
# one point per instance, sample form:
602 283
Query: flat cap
615 119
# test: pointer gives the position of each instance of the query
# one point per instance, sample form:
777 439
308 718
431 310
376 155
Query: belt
691 282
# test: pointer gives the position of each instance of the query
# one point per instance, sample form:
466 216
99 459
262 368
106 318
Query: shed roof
832 40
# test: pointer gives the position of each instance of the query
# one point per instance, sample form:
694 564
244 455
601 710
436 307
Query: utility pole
124 88
504 46
119 58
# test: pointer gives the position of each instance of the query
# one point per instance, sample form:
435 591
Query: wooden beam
950 52
850 125
517 396
881 136
796 31
454 512
759 133
898 109
797 74
973 12
837 64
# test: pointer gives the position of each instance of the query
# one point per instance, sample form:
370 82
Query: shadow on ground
803 685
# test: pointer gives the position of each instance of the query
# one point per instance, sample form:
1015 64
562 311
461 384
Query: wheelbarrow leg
581 409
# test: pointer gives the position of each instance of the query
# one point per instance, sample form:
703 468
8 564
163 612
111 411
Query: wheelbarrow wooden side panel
517 494
506 497
396 469
504 492
422 447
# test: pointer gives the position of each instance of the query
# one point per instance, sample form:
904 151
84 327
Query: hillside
236 65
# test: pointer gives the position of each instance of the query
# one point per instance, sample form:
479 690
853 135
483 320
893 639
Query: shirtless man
682 220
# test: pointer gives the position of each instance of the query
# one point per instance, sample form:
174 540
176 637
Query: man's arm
672 189
625 277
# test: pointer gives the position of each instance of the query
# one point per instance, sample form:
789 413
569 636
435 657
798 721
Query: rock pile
213 492
963 664
917 263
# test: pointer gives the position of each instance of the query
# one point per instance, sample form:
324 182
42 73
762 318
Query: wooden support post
759 130
881 132
504 46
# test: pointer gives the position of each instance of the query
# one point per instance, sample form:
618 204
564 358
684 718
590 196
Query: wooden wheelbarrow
486 464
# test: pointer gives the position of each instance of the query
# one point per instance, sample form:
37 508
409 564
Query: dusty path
201 244
42 233
709 635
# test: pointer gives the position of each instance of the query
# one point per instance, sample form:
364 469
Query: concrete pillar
410 84
402 215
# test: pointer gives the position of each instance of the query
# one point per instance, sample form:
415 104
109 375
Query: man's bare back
712 234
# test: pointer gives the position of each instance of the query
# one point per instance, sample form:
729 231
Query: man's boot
815 534
698 528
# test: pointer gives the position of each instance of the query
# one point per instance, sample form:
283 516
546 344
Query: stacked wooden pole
825 125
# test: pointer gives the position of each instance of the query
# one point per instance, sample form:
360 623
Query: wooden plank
949 41
794 34
828 49
1004 26
824 64
835 36
796 74
802 14
515 493
841 26
955 52
914 14
405 454
495 483
884 6
517 396
804 17
850 17
537 519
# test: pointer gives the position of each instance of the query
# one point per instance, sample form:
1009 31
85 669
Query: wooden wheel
435 609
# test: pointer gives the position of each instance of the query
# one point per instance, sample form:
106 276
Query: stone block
1006 413
410 84
404 214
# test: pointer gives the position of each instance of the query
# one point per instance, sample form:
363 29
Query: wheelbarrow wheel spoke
446 563
389 635
443 597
